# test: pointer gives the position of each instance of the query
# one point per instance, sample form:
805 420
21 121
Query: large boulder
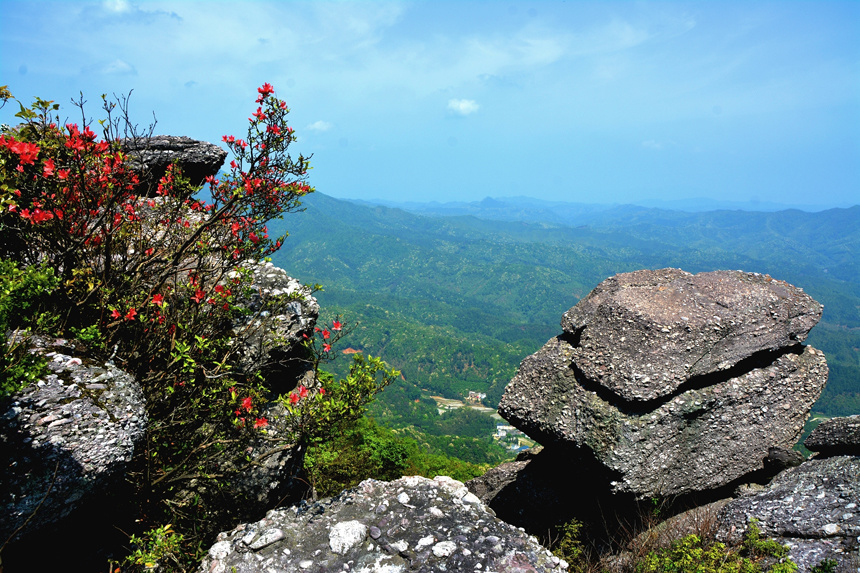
671 382
642 335
411 524
65 440
150 157
836 437
812 508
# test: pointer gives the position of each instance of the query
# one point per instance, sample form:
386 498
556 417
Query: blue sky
596 102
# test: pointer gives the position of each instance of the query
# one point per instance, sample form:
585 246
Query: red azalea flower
260 423
326 334
247 403
266 89
322 391
336 325
199 296
115 314
303 391
158 299
48 168
327 347
130 314
294 398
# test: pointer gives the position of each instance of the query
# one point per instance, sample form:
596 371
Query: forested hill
456 302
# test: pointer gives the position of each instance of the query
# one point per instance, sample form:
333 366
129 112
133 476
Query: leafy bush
694 555
158 282
21 291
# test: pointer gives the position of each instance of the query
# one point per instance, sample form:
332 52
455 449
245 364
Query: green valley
456 302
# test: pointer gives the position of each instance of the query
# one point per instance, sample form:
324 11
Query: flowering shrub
155 281
327 409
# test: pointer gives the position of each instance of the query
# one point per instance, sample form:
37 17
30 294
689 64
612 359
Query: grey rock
836 437
150 157
812 508
644 334
269 338
66 439
699 440
348 532
690 434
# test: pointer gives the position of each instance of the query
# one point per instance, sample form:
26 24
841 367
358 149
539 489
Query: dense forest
455 301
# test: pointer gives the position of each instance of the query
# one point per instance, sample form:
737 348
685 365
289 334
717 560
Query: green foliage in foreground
691 554
368 450
21 291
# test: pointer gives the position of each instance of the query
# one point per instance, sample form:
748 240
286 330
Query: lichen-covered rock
836 437
150 157
411 524
813 508
65 439
269 338
680 435
643 334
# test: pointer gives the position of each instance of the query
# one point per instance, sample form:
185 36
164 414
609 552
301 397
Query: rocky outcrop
643 335
150 157
674 383
812 508
66 439
269 338
836 437
413 524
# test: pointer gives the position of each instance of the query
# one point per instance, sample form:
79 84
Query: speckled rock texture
65 439
282 310
150 157
642 335
411 524
836 437
679 435
813 508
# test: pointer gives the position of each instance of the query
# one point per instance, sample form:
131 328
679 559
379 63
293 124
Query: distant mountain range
571 213
456 295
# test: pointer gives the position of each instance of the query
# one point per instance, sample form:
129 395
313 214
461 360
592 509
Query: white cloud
118 67
118 6
651 144
320 126
463 106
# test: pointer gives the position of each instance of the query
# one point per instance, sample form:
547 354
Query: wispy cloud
463 106
116 67
320 126
652 144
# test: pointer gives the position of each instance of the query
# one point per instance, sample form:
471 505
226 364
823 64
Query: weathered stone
66 439
644 334
813 508
836 437
269 338
713 418
351 532
698 440
150 157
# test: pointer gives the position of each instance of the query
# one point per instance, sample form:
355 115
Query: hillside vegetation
456 302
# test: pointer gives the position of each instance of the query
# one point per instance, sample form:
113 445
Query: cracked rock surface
836 436
644 334
65 439
813 508
673 383
411 524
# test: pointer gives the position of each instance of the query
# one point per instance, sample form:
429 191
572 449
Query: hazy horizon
752 103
